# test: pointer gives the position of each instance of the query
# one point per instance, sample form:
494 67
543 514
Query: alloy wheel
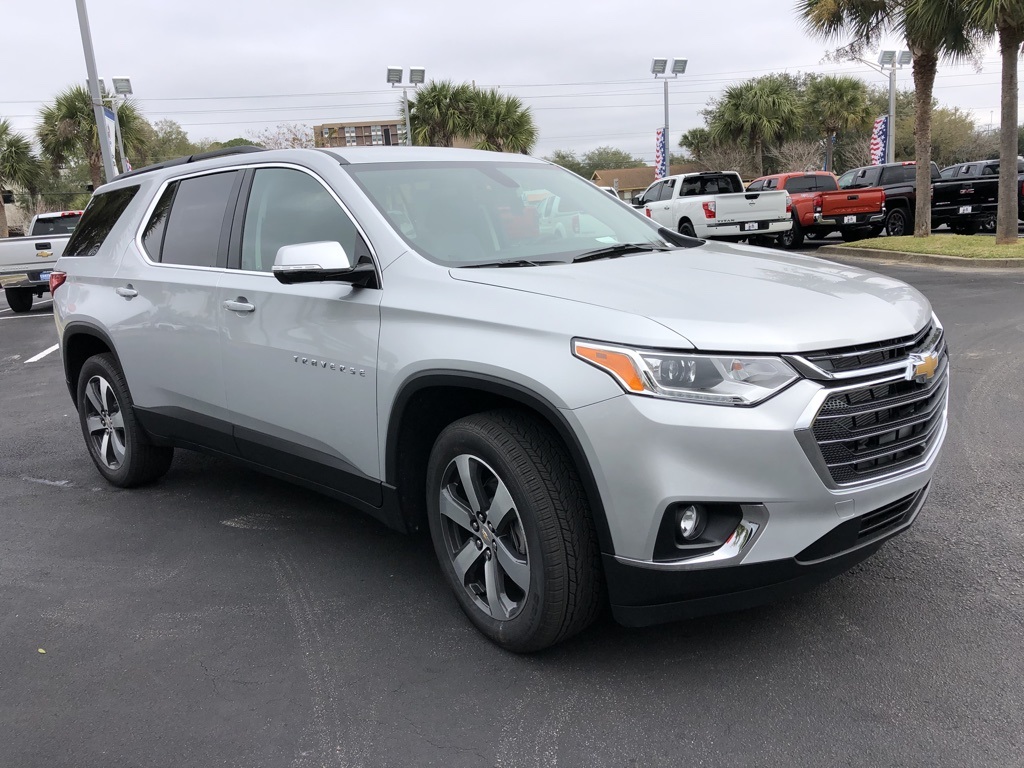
104 422
484 537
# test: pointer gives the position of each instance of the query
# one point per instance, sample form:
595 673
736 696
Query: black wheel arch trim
82 328
497 386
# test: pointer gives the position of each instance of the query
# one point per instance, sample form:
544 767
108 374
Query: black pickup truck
988 169
962 203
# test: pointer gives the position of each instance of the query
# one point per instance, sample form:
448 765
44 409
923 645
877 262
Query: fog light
691 522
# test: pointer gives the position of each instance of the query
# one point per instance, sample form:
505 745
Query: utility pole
890 139
94 91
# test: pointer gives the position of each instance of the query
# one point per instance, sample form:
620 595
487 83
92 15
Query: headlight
713 379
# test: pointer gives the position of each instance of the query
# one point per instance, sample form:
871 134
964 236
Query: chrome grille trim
882 357
866 432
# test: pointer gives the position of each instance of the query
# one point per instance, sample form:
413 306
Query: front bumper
753 457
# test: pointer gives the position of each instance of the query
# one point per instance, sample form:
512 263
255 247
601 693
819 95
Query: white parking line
43 354
27 317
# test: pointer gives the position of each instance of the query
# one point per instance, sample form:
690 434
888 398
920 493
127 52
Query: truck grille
881 427
852 359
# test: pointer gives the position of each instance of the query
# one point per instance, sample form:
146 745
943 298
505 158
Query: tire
19 299
120 449
852 235
686 229
793 238
897 223
988 223
528 573
965 227
816 234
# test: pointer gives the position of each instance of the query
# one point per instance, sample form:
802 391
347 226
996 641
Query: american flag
660 155
879 140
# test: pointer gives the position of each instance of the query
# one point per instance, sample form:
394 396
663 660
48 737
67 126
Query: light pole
122 89
661 70
417 76
94 91
892 60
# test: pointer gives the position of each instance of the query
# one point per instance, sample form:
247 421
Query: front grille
877 353
879 428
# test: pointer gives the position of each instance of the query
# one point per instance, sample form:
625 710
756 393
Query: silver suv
601 412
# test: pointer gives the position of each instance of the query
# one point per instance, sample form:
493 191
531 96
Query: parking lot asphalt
223 618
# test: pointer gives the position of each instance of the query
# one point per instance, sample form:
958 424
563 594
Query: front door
301 360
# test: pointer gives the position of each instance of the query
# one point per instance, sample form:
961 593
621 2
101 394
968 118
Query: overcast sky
222 68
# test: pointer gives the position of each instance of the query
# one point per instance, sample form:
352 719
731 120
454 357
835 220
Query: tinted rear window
801 184
56 225
99 218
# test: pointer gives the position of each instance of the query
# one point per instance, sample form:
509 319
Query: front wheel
512 530
120 449
19 299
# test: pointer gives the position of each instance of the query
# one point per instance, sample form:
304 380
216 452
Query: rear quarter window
99 218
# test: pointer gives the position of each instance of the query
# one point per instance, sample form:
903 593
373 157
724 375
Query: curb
922 258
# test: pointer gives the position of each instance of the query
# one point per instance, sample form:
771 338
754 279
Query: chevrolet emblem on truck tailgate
44 254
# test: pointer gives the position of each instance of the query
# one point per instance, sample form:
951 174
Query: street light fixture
417 76
892 60
661 69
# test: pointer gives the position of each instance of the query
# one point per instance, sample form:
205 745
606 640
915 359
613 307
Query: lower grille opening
859 530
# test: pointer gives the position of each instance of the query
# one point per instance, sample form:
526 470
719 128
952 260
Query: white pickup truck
25 262
714 204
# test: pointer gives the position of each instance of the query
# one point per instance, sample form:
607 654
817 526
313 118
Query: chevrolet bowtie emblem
921 368
44 254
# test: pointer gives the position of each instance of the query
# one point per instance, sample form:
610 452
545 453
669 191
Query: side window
99 218
195 225
288 207
825 184
153 234
771 184
756 186
801 184
990 170
689 187
668 189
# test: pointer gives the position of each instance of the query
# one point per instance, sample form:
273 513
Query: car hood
727 297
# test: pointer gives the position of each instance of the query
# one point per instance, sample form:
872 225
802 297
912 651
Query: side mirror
637 201
318 263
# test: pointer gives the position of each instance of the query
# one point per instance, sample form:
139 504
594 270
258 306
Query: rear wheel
512 530
19 299
988 223
897 223
120 449
792 238
686 228
965 227
852 235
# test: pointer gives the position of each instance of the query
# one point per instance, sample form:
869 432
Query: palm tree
67 128
1005 18
761 111
835 105
933 29
17 165
501 123
441 112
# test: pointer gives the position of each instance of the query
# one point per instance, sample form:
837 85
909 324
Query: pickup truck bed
820 207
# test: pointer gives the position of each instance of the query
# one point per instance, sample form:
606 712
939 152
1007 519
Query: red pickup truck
821 207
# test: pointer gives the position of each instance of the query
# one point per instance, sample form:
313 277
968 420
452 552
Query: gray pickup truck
614 413
26 262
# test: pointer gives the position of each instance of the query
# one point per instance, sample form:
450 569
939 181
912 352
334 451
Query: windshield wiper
622 249
515 263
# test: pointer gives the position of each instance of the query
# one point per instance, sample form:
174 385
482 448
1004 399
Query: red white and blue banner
660 155
879 140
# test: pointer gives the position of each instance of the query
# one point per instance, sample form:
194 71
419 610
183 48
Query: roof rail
193 159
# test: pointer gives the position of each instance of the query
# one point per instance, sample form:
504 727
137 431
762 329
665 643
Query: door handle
240 305
42 246
127 292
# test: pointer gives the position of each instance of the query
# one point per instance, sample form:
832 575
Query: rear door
301 359
168 327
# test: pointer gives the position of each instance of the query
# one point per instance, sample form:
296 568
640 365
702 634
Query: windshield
462 214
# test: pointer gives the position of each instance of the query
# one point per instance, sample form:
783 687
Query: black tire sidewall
686 229
19 299
519 632
898 215
104 365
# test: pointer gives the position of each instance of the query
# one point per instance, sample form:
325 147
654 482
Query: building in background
359 134
632 181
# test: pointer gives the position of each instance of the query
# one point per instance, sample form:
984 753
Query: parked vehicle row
25 262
